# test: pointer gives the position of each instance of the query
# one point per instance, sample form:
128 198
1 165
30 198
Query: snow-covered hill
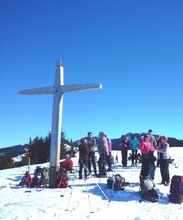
88 200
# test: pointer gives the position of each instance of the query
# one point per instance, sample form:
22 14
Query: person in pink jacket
145 147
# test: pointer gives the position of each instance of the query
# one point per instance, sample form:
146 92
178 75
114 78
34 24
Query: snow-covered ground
90 200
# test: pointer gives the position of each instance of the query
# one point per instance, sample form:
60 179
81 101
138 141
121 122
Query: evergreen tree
63 142
39 149
6 163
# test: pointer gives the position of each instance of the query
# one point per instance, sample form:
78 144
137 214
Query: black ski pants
164 170
92 161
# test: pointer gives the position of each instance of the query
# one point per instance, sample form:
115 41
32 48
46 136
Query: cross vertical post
56 124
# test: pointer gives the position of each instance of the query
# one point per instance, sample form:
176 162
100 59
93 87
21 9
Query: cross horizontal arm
79 88
37 91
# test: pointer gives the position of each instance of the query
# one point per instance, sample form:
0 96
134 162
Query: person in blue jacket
134 146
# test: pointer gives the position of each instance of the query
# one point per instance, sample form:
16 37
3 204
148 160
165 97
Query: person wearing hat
67 164
163 157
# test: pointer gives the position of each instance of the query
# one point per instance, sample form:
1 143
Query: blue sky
133 48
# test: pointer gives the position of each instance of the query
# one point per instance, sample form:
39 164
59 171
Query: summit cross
58 91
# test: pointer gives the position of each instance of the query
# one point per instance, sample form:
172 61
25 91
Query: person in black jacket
91 141
83 158
124 150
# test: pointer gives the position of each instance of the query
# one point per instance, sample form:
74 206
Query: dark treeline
38 150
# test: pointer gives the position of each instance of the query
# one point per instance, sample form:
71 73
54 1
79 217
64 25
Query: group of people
147 145
127 144
87 158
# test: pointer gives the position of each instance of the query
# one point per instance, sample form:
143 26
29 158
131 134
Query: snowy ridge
87 200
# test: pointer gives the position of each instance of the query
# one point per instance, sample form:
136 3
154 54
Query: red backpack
26 180
176 190
61 179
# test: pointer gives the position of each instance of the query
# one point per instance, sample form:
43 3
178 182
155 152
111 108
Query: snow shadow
101 190
130 193
15 179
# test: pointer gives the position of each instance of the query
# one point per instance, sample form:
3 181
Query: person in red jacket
67 164
145 147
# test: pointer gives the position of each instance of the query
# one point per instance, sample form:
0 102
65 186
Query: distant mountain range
173 142
14 151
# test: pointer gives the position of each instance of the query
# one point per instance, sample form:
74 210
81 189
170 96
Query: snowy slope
90 199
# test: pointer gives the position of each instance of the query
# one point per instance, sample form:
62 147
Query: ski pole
98 186
88 196
117 157
69 200
86 170
113 180
103 192
29 164
72 189
113 176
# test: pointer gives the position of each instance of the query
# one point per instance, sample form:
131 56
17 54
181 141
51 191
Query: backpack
45 177
116 182
26 180
38 177
147 189
176 190
41 177
61 179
